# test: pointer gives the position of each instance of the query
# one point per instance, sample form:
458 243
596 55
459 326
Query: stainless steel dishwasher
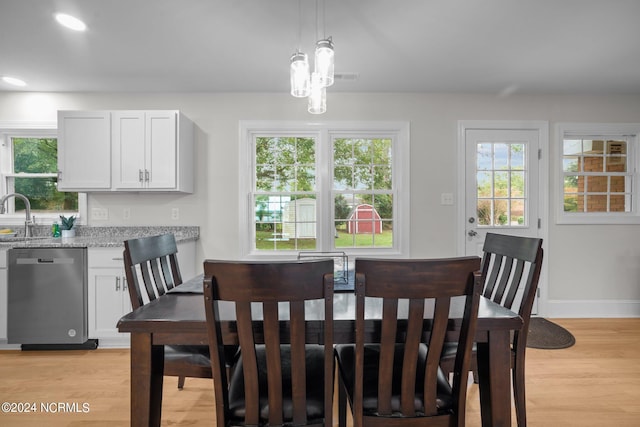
47 296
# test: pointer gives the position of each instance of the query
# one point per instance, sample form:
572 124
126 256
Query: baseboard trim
592 308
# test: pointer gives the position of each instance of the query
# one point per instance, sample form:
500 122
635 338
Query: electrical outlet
100 214
175 213
126 213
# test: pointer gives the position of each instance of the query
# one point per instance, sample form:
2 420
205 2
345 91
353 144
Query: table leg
494 368
147 366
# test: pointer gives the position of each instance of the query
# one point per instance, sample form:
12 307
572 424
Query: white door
502 185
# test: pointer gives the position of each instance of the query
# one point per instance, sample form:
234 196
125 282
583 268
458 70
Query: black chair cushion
192 354
197 354
315 385
346 364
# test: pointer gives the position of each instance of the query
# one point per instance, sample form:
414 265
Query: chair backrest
154 259
511 263
415 379
270 284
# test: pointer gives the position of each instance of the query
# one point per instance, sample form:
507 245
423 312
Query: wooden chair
509 263
396 381
154 260
284 381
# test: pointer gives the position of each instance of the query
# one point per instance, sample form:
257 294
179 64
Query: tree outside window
35 167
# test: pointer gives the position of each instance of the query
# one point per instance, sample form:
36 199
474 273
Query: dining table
178 318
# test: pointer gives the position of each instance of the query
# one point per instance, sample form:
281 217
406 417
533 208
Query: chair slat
298 368
274 361
436 341
389 330
410 361
515 281
249 360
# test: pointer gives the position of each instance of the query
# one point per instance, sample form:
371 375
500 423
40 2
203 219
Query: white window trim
36 130
325 130
633 155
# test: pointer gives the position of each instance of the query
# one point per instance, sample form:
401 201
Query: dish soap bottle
55 229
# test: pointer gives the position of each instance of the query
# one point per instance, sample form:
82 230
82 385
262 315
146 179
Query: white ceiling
482 46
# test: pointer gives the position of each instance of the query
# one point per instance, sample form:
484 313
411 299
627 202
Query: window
28 162
501 179
599 180
324 188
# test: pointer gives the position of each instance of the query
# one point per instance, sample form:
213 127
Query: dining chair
151 269
279 378
509 264
396 380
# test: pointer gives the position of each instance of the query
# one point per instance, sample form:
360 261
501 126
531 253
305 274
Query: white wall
593 271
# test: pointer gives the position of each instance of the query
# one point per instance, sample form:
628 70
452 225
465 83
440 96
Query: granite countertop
93 237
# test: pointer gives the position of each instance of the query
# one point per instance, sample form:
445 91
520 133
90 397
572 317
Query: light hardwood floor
594 383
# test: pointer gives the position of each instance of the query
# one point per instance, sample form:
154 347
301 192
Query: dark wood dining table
178 318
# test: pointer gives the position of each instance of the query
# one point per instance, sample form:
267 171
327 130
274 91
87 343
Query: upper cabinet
147 151
84 150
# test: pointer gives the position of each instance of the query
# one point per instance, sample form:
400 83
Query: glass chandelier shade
299 70
324 61
318 95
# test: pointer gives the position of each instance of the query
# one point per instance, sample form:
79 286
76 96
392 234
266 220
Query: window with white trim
599 179
324 188
28 164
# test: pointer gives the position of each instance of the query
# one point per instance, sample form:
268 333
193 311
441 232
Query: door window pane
501 184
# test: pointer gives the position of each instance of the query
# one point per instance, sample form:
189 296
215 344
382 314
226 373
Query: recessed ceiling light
70 22
13 81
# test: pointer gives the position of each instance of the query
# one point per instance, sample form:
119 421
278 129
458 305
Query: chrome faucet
28 223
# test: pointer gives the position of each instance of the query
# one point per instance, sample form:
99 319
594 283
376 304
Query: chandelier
313 84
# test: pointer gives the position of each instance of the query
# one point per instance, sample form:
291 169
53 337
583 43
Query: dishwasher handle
44 261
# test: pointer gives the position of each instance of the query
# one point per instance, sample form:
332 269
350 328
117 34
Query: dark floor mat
548 335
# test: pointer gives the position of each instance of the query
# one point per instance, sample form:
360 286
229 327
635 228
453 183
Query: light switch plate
126 213
446 199
175 213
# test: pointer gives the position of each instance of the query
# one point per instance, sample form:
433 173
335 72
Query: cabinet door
108 301
161 146
129 170
4 309
84 150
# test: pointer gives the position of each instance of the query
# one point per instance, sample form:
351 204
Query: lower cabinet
108 293
4 299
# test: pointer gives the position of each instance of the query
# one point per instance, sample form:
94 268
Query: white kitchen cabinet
3 296
108 293
141 151
84 150
108 296
152 150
